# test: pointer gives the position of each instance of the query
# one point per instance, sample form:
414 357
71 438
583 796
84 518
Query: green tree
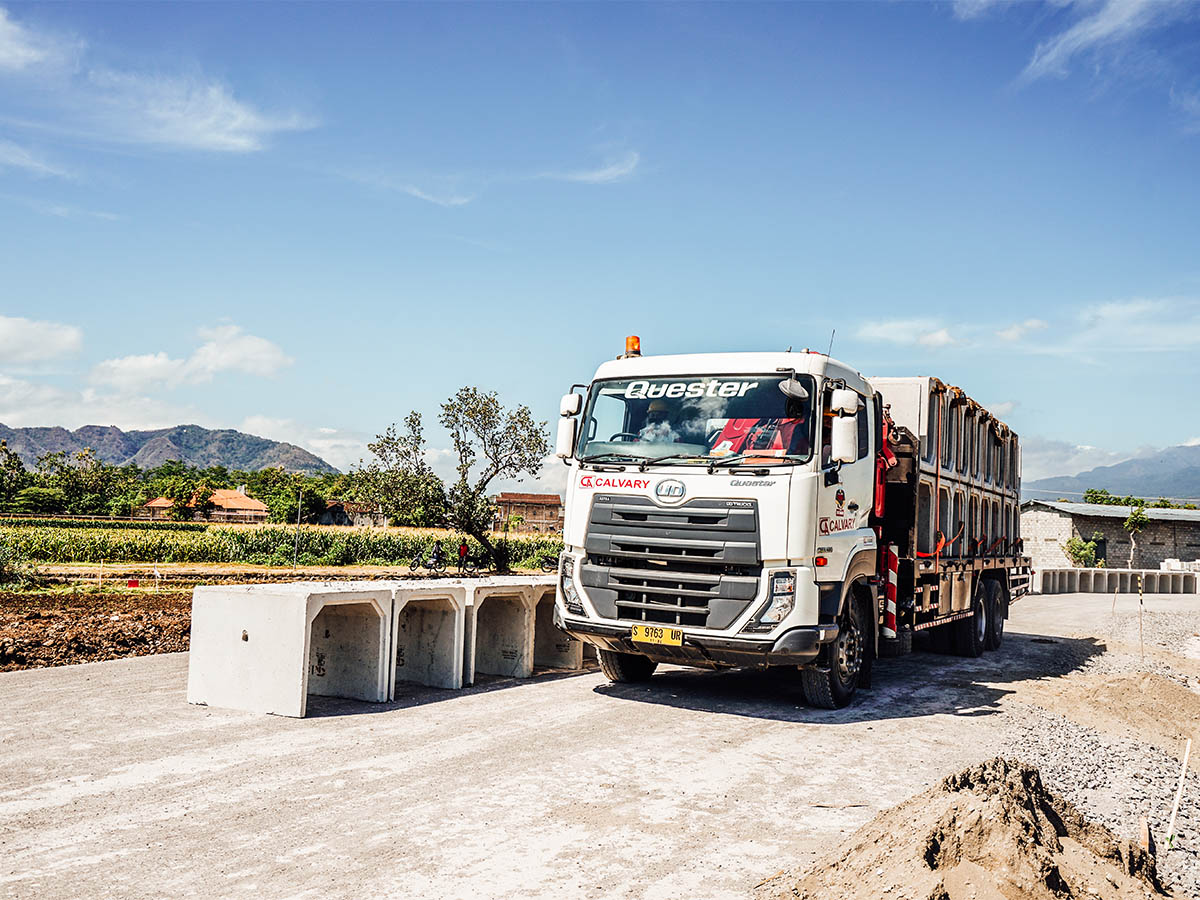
491 443
1080 552
37 499
14 477
400 481
1134 524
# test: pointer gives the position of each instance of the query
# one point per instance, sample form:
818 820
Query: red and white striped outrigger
891 553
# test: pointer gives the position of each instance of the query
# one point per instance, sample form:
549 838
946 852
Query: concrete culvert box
264 648
503 632
551 647
346 642
428 638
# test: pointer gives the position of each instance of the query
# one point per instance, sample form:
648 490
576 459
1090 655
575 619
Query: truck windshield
699 418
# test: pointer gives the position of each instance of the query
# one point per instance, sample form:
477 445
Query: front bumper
795 647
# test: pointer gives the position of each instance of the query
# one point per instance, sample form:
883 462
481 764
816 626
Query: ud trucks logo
670 490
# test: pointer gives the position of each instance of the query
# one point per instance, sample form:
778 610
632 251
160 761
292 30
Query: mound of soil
993 832
48 629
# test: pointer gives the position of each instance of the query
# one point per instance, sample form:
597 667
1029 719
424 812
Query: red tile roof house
227 506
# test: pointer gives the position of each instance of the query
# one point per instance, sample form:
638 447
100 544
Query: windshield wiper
598 457
737 458
659 459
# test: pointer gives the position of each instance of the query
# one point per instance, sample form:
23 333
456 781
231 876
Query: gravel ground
1112 777
1115 782
695 785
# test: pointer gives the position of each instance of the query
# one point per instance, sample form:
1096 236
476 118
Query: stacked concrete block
265 648
1109 581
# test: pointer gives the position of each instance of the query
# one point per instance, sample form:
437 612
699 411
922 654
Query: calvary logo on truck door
839 521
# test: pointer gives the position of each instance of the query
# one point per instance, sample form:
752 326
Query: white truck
780 509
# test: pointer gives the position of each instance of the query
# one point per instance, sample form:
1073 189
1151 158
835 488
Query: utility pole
296 547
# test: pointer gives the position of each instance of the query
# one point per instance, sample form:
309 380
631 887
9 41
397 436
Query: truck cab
719 513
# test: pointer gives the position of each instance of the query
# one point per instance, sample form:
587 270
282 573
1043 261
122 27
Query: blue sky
305 220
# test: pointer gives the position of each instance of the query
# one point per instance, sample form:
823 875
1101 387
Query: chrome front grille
696 564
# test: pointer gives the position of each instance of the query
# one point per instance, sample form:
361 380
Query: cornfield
263 545
8 521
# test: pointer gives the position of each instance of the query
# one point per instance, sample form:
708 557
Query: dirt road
698 785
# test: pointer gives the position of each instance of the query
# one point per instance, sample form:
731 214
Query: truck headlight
781 600
571 598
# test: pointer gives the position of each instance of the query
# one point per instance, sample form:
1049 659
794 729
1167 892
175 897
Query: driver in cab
658 428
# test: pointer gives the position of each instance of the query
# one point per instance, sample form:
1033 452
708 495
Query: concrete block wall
1045 531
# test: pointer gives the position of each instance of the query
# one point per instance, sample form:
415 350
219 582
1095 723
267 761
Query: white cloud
613 171
341 449
130 106
25 403
1188 104
13 156
973 9
448 195
1105 24
449 190
22 48
63 211
1018 330
1044 458
924 332
1002 408
177 112
226 349
1192 442
939 338
29 341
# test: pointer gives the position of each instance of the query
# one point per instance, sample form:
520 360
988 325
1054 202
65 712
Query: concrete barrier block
265 648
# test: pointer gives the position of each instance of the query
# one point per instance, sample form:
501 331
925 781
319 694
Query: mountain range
189 444
1173 472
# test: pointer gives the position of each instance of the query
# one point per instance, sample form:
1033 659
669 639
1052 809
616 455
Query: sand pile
993 832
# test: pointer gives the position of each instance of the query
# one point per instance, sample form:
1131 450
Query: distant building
227 506
345 512
542 513
1047 525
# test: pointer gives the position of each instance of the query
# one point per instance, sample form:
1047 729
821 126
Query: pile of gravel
1116 782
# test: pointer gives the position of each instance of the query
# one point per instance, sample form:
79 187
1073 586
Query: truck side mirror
844 440
570 405
564 441
844 401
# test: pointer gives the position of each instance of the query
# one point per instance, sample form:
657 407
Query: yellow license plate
656 634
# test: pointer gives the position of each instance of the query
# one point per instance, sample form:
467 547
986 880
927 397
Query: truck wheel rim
849 652
981 622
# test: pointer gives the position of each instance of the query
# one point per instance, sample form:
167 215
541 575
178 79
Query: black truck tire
900 645
970 634
626 668
833 686
996 614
